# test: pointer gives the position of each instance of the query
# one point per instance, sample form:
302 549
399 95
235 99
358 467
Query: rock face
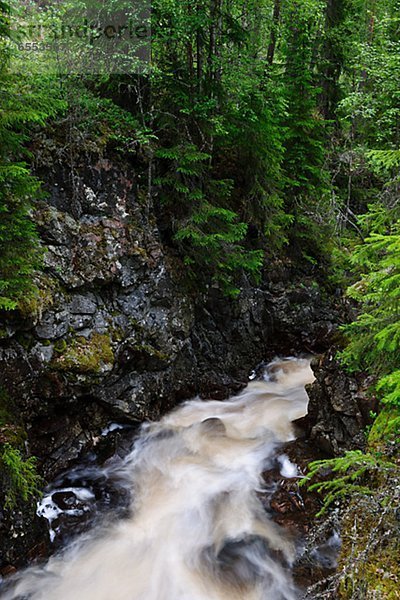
339 407
114 335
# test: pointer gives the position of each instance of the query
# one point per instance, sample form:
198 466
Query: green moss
83 355
386 428
368 565
383 574
11 433
135 324
139 252
117 334
150 351
25 339
94 229
369 559
36 303
60 346
45 216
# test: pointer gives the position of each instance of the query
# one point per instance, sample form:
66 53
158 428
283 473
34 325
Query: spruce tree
306 184
374 337
23 103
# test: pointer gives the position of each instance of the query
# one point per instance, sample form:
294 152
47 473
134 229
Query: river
196 528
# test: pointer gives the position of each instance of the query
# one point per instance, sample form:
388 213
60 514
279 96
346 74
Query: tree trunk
274 30
332 59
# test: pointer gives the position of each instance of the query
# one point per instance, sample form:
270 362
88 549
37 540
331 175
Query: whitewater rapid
197 529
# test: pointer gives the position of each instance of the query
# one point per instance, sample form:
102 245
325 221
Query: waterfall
197 529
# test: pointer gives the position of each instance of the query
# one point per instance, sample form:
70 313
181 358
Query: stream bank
117 335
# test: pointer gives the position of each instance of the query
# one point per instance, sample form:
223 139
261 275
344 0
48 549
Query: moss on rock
385 429
369 567
94 355
150 351
36 303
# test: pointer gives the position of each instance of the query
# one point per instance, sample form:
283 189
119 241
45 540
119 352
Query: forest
253 144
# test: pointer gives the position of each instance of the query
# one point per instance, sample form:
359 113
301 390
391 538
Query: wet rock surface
339 408
23 537
295 509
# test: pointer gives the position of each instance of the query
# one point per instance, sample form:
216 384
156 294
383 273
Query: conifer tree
374 337
220 138
23 103
305 177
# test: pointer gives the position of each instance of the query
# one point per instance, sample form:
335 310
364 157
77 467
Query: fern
21 478
347 476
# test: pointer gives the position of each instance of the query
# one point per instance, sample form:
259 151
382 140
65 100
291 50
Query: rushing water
197 529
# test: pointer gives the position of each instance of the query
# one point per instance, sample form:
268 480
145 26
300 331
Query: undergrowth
345 476
20 476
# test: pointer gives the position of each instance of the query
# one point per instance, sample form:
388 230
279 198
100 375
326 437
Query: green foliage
21 480
373 65
18 477
81 355
238 141
99 122
384 161
385 430
369 109
390 387
229 122
19 249
374 337
306 181
24 104
253 138
345 476
209 235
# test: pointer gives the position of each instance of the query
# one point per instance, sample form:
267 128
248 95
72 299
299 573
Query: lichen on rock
369 567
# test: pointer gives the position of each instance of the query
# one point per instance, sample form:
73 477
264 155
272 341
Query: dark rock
339 407
53 325
23 535
83 304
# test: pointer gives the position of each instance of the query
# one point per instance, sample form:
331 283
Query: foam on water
50 510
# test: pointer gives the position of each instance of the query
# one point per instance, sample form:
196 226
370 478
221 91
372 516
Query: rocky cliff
115 333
